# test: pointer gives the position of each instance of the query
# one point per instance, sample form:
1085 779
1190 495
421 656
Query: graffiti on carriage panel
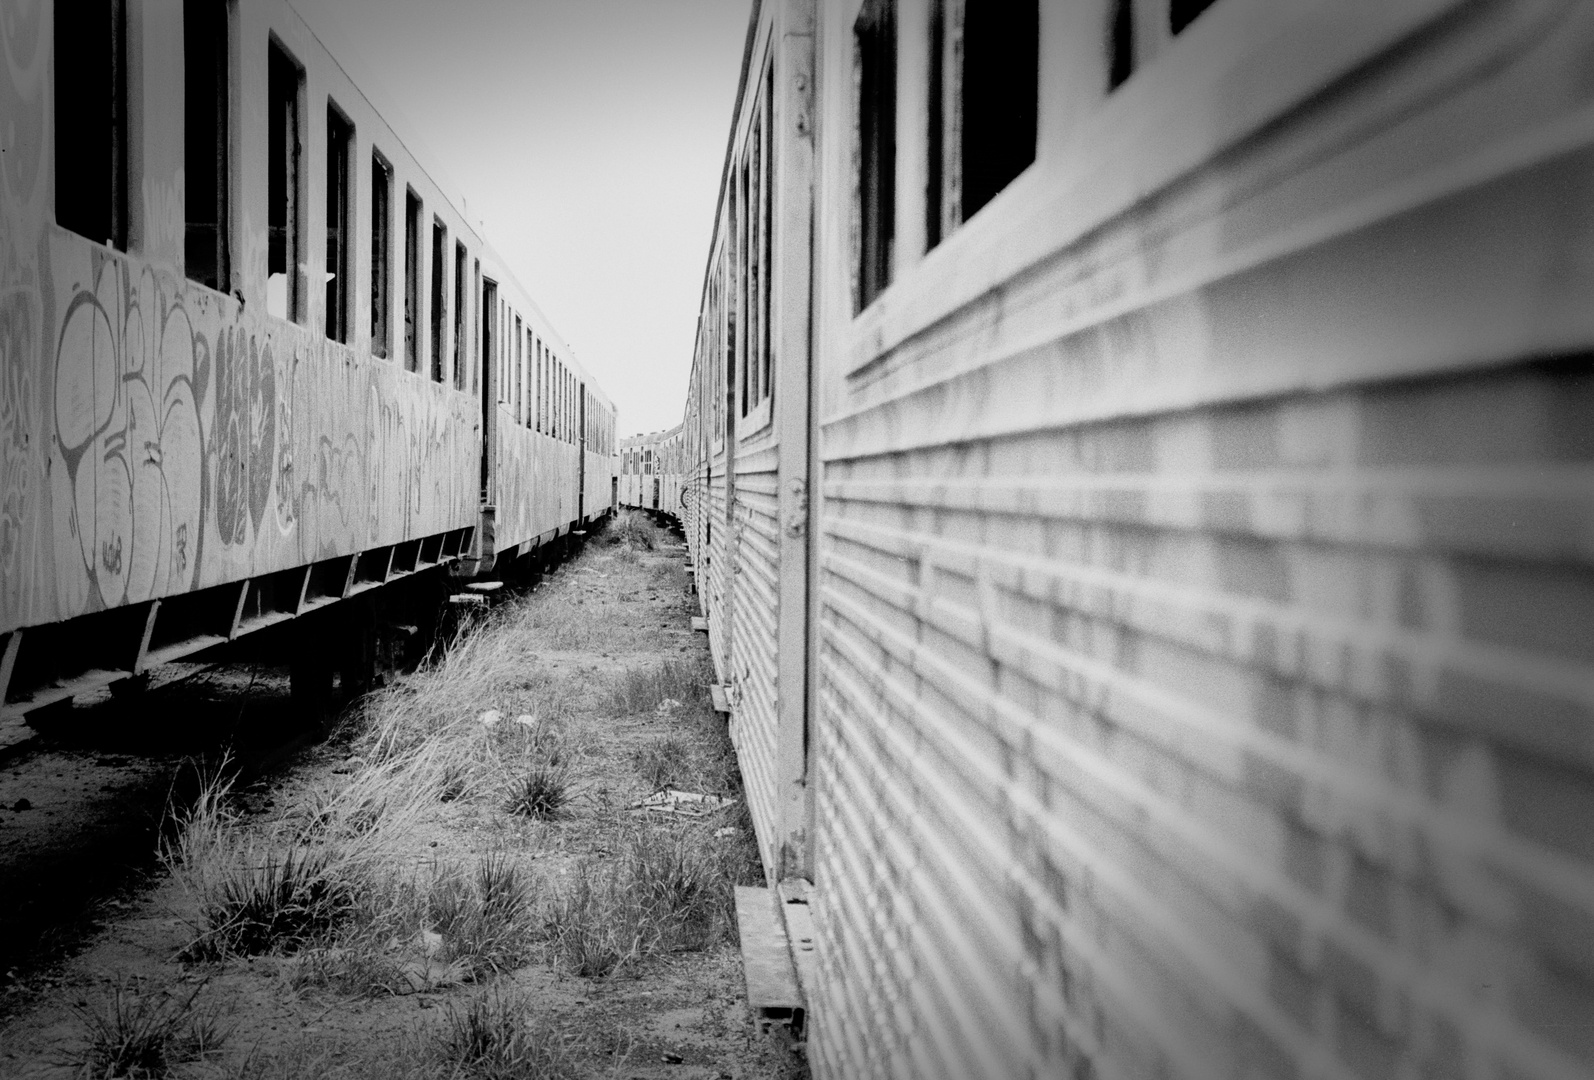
243 433
130 373
18 320
320 473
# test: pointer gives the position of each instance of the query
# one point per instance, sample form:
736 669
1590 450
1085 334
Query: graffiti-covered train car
254 358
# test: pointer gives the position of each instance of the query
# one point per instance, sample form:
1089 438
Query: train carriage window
207 103
479 350
768 187
489 308
381 256
439 310
412 279
515 373
1120 43
875 76
460 352
284 91
530 418
984 87
539 384
91 119
1136 32
340 144
1181 13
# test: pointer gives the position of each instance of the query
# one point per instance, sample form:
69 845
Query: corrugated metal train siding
1206 686
754 730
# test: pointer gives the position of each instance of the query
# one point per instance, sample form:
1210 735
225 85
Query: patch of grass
644 689
279 903
632 529
541 792
141 1036
670 889
484 921
664 762
493 1036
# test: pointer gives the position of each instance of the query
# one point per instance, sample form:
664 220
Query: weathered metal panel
162 437
1204 686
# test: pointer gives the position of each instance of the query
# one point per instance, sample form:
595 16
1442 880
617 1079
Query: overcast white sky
588 135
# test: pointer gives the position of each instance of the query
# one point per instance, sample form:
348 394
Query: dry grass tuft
664 762
492 1036
138 1036
660 689
669 889
541 792
632 529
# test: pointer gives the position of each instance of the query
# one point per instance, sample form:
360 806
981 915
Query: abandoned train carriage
650 472
256 359
1139 456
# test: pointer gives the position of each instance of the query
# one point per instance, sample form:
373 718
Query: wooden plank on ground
766 961
716 693
484 586
699 623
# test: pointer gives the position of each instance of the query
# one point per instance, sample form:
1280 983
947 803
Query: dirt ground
594 678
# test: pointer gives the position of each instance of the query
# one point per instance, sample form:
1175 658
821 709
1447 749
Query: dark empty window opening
489 312
340 145
460 259
206 105
875 38
984 92
531 367
767 231
381 256
91 119
1181 13
412 279
516 374
1121 44
439 297
284 82
476 364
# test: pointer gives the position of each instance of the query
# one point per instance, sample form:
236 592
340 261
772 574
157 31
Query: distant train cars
255 360
1137 465
651 470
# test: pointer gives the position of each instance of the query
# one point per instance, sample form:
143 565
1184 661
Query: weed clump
141 1036
645 690
541 792
663 762
493 1037
281 903
669 890
632 529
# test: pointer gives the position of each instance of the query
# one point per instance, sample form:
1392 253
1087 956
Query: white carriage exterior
1195 678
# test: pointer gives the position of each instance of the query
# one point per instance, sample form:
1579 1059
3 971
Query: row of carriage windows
981 111
540 391
93 180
